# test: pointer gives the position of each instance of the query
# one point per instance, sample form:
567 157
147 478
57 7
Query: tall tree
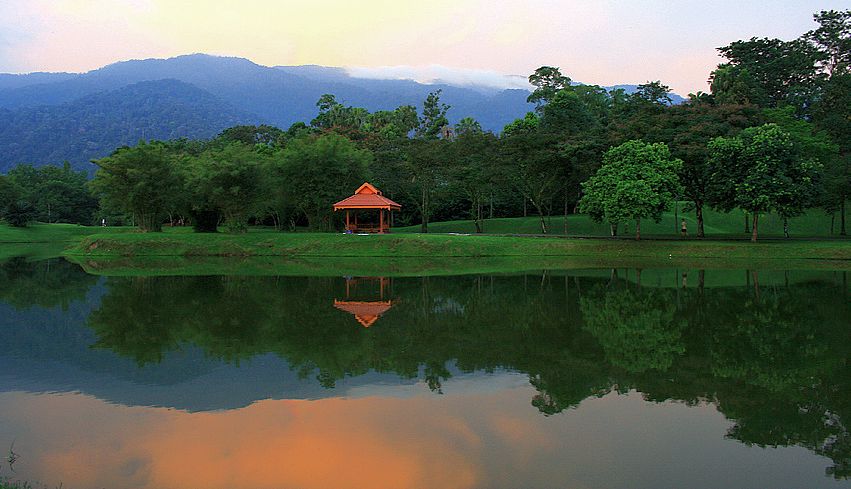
637 180
547 81
142 181
434 118
767 72
228 181
320 171
761 170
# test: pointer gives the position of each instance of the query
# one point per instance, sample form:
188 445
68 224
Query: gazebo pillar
347 220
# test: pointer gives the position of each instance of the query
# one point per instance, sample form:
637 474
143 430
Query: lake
590 378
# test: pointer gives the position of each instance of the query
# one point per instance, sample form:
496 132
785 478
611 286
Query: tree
768 73
251 135
434 118
318 171
637 180
475 152
687 129
531 161
13 209
227 181
55 194
761 170
142 180
832 39
833 115
654 92
547 81
424 168
832 112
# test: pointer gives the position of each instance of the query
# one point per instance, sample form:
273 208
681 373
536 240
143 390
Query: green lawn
716 224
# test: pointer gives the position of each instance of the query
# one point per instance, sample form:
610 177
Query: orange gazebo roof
367 197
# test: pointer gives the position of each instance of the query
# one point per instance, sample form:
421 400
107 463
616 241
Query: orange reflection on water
359 443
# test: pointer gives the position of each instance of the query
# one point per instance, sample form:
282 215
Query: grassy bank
815 223
431 246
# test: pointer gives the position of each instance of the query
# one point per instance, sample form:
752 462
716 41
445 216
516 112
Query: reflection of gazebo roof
367 197
366 312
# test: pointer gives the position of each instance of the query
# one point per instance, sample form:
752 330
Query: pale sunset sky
593 41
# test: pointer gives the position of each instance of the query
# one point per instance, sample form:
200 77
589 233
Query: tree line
772 135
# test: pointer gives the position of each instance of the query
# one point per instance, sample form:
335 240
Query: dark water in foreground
592 378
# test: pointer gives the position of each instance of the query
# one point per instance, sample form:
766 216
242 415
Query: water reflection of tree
776 365
637 328
45 283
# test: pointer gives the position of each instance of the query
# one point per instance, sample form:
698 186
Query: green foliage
637 180
317 172
228 180
547 81
768 73
433 120
54 194
638 330
142 181
528 123
762 169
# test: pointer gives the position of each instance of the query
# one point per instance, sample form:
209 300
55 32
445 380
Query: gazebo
369 198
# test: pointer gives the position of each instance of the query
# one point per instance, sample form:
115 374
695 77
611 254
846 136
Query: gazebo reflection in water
365 298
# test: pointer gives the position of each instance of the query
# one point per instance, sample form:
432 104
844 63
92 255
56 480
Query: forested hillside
95 125
280 96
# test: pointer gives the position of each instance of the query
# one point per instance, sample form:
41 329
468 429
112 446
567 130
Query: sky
604 42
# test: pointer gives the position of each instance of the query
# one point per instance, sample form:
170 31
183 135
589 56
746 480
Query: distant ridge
41 113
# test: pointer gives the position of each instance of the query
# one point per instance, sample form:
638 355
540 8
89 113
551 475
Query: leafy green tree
547 81
761 170
251 135
527 124
467 125
228 180
143 181
13 209
654 93
423 169
832 111
475 152
56 194
434 118
833 115
832 40
318 171
768 73
531 162
637 180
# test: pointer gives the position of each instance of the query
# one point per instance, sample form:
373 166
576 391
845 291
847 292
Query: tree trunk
543 221
424 212
565 214
832 222
786 227
747 224
524 207
638 229
755 225
676 216
477 217
698 209
842 216
613 229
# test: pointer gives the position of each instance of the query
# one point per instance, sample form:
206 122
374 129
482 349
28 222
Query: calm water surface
661 378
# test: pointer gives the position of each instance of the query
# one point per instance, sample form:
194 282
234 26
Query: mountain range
48 118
